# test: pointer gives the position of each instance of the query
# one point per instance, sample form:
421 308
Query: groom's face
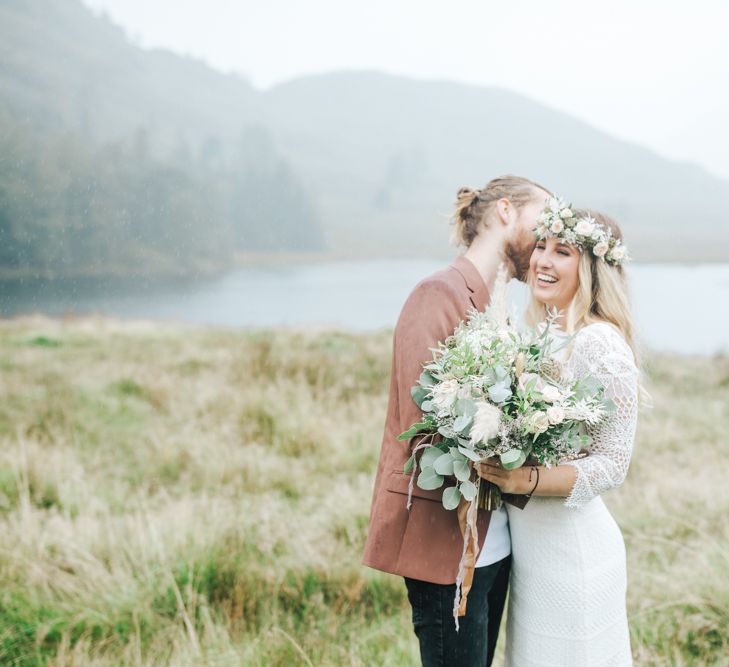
520 246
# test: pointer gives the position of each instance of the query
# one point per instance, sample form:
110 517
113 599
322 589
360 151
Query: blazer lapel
478 292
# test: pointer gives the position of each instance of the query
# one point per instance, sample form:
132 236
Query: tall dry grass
179 496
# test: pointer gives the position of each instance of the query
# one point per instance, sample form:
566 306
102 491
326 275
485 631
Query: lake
678 308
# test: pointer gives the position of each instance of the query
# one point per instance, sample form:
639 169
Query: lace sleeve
602 352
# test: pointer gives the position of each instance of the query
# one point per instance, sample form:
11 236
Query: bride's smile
553 272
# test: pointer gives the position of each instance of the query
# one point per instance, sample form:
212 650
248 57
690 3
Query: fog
124 161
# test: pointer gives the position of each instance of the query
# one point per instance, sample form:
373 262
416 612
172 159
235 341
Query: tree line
69 207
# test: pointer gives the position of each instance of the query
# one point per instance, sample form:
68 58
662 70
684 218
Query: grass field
175 496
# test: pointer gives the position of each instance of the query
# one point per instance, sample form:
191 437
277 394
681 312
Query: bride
568 580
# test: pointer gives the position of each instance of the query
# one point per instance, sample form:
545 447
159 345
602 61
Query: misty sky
652 72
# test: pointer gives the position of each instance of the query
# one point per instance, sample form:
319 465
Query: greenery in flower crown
557 220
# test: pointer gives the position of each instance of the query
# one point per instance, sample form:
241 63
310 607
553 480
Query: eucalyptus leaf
414 430
407 468
444 464
419 394
461 423
461 470
428 479
512 459
428 457
465 407
470 454
468 490
410 433
427 406
426 379
587 387
451 497
498 393
466 442
489 377
457 456
445 431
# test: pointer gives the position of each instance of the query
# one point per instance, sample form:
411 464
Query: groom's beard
518 253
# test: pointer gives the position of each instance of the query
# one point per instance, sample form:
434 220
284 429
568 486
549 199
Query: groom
424 545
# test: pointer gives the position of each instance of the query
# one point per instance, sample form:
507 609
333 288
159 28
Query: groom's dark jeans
474 643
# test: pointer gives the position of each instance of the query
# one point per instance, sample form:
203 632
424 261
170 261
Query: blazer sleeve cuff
515 500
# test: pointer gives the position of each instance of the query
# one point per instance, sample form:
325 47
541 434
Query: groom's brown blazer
425 542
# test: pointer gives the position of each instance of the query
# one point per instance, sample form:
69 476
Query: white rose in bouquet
537 422
555 414
444 394
551 394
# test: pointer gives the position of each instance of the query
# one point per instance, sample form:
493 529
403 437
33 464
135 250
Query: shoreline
99 323
270 260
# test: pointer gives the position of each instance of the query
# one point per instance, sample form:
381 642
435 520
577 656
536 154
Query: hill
116 159
387 154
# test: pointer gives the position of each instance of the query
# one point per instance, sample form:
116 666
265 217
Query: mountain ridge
358 162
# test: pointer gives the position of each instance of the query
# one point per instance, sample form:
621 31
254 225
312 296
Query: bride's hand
509 481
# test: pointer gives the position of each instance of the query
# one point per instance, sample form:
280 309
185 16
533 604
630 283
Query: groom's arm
430 314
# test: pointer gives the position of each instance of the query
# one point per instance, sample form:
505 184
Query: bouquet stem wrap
467 513
489 496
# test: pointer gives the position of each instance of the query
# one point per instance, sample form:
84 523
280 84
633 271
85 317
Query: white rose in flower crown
557 226
555 414
565 213
600 249
444 393
538 422
550 393
597 234
584 227
486 422
618 253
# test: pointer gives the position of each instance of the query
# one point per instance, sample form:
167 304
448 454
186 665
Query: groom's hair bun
473 206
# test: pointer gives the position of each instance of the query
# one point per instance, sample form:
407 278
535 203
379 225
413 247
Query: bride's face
554 272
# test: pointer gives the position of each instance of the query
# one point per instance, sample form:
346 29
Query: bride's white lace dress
568 578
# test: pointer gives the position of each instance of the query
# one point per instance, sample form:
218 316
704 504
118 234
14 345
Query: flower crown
558 220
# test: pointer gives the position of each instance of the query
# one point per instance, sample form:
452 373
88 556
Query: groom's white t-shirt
497 544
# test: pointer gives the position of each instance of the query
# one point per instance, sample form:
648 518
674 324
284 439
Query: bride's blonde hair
602 292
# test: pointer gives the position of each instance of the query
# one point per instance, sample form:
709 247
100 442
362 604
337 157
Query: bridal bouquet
493 390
